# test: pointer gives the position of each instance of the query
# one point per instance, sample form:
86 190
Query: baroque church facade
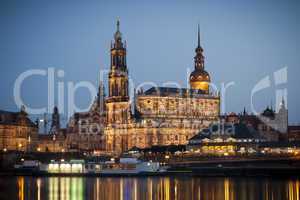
159 116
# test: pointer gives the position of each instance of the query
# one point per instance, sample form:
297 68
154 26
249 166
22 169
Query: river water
93 188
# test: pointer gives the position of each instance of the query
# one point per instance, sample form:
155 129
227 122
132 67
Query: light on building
63 150
20 145
62 160
38 149
167 157
112 159
22 159
5 150
226 154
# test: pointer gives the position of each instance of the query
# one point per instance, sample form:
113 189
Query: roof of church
169 91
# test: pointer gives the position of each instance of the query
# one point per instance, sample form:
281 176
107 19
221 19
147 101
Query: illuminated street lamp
20 146
28 144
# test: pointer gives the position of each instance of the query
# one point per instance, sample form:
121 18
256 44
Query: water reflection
73 188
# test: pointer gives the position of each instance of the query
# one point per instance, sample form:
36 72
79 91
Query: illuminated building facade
162 116
17 131
85 129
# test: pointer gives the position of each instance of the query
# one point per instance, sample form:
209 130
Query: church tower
55 125
117 103
199 78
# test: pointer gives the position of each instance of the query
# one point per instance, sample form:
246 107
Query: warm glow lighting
112 159
22 159
53 167
76 167
226 154
63 150
38 149
62 160
167 157
4 149
65 167
20 145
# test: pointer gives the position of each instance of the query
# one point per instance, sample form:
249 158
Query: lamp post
53 139
28 143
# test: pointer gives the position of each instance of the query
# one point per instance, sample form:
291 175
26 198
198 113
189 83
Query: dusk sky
243 42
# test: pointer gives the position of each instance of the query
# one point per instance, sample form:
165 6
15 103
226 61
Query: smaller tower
101 98
55 125
282 117
199 78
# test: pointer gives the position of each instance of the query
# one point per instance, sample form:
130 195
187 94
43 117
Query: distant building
228 139
17 131
294 133
55 140
52 142
269 124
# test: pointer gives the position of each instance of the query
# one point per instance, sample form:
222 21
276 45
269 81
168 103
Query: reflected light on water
78 188
21 188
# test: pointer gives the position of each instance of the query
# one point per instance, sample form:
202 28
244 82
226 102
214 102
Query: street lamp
54 138
29 141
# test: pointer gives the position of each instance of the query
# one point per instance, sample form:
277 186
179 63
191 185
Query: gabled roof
13 118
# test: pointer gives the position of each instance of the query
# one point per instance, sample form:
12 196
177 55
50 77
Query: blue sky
243 41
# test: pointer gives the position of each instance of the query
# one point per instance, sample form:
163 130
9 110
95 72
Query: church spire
199 78
118 25
118 35
198 36
199 58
